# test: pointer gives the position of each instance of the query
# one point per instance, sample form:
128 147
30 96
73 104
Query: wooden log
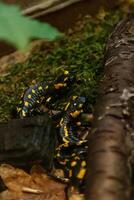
24 142
110 144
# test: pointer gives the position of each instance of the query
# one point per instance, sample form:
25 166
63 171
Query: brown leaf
34 186
74 194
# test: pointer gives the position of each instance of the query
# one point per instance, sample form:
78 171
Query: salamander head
79 102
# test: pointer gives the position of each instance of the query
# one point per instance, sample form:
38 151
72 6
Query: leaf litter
34 186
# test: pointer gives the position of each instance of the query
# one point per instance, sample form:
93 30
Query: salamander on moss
71 151
35 94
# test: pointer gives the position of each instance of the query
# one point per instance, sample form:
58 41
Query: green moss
80 51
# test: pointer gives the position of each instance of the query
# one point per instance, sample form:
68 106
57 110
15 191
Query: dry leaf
74 194
34 186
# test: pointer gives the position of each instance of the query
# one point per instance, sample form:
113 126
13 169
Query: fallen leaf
34 186
74 194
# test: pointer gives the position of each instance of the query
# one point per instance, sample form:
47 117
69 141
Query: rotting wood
110 144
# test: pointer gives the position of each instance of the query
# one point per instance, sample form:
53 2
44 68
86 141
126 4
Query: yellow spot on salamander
23 113
65 79
74 97
70 173
18 109
66 72
78 123
66 142
33 91
73 163
40 88
61 122
48 99
29 96
26 103
67 106
65 131
77 158
81 141
83 163
75 113
58 155
59 85
80 105
73 154
47 87
62 145
81 173
59 147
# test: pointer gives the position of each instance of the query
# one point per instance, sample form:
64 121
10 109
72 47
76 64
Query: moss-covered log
110 144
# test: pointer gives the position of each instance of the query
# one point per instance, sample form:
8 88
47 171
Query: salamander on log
109 171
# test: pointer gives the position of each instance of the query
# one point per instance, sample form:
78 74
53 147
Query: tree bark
110 142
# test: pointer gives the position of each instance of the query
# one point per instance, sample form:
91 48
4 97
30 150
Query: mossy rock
80 51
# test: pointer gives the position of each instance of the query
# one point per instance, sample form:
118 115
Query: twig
31 190
48 7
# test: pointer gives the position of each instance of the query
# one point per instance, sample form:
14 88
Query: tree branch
109 166
48 7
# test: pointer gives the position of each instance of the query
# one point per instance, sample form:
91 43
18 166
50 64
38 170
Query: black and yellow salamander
71 150
34 95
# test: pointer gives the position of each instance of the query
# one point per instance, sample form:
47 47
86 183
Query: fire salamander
68 125
71 151
34 95
73 161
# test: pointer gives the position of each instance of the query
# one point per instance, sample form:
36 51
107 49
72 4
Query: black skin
71 150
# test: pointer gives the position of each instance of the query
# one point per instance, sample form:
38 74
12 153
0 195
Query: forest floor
81 52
